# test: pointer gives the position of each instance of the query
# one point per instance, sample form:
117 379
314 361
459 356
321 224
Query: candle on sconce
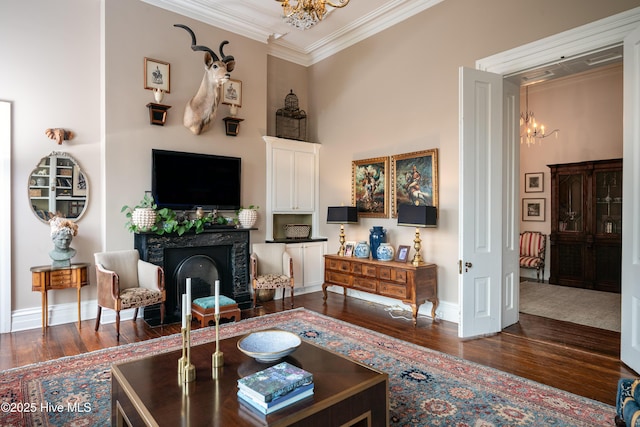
184 311
217 296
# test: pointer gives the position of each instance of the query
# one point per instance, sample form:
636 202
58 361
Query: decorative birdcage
291 121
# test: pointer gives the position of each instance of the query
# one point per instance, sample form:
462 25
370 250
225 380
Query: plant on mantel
166 220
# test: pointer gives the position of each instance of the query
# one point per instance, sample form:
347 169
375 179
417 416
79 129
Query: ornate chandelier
530 131
306 13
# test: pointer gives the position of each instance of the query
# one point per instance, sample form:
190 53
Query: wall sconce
232 125
418 217
342 215
157 113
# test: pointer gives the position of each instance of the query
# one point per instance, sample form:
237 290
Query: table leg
79 323
45 310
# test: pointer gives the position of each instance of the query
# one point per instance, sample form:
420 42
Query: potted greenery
142 217
248 216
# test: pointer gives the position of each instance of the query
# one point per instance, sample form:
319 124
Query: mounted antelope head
201 109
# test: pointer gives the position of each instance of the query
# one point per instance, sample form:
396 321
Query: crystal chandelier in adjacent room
530 131
306 13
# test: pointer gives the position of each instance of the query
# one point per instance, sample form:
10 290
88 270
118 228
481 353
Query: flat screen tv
188 180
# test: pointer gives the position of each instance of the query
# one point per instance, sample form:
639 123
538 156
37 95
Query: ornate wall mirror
58 186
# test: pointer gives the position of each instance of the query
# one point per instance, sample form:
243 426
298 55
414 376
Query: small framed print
349 247
402 253
232 93
534 182
533 209
157 75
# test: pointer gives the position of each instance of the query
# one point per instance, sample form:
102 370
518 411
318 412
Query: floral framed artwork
534 182
533 209
157 75
369 187
415 179
232 93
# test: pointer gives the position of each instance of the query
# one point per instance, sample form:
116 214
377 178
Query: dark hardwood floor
575 358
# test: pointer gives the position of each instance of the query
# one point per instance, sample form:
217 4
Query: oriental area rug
426 387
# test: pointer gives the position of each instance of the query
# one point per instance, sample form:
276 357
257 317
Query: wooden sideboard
404 281
46 278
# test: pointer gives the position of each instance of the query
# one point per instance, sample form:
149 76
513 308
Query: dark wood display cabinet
586 224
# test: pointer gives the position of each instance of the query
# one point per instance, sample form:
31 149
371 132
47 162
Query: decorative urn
247 217
385 252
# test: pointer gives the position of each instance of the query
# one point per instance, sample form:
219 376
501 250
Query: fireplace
221 254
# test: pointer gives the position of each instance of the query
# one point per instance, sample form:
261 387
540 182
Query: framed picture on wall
534 182
533 209
232 93
157 75
369 181
415 179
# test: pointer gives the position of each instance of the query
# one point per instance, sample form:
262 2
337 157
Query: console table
404 281
46 277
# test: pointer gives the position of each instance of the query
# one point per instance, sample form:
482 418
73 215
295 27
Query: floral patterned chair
125 281
271 268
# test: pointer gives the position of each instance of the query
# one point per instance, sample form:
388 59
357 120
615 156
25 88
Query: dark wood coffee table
146 392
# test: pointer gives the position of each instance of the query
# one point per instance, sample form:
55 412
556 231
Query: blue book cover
266 408
275 381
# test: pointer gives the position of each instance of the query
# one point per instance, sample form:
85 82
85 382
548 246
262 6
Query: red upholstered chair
533 246
271 268
125 281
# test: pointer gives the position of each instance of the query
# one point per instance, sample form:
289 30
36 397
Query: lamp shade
342 214
417 216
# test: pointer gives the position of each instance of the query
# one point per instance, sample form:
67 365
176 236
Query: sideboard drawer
61 279
338 278
369 270
393 290
340 265
365 283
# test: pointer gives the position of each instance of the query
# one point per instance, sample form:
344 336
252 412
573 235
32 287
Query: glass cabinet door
571 206
608 194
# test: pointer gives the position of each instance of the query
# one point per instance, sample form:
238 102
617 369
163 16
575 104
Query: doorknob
467 266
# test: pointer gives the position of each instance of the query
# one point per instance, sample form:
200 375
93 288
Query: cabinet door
304 181
314 263
283 179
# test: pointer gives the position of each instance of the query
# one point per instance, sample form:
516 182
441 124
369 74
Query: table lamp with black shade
342 215
418 217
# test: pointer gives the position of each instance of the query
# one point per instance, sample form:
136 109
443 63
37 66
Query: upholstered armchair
533 246
125 281
271 268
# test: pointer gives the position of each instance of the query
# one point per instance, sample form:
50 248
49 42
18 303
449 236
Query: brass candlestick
186 369
217 358
417 244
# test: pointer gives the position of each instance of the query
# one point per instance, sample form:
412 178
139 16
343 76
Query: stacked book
275 387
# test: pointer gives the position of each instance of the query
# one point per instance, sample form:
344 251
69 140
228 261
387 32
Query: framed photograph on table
157 75
415 179
533 209
232 93
402 253
534 182
369 181
349 247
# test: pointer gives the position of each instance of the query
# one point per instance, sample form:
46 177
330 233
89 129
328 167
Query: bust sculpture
62 233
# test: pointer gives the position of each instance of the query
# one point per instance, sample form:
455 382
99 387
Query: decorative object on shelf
307 13
369 184
415 179
402 254
417 216
533 209
201 109
342 215
269 345
143 216
248 216
232 125
296 231
157 113
158 95
291 121
362 250
62 233
385 252
530 132
377 235
59 134
534 182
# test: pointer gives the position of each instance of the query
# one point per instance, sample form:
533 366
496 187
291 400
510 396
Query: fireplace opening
203 272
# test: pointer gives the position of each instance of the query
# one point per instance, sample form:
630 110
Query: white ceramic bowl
270 345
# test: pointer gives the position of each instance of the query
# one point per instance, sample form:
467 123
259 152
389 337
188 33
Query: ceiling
261 20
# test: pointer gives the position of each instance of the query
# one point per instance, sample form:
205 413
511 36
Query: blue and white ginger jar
385 252
361 250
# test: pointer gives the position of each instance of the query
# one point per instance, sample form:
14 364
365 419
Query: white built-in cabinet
308 262
294 178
